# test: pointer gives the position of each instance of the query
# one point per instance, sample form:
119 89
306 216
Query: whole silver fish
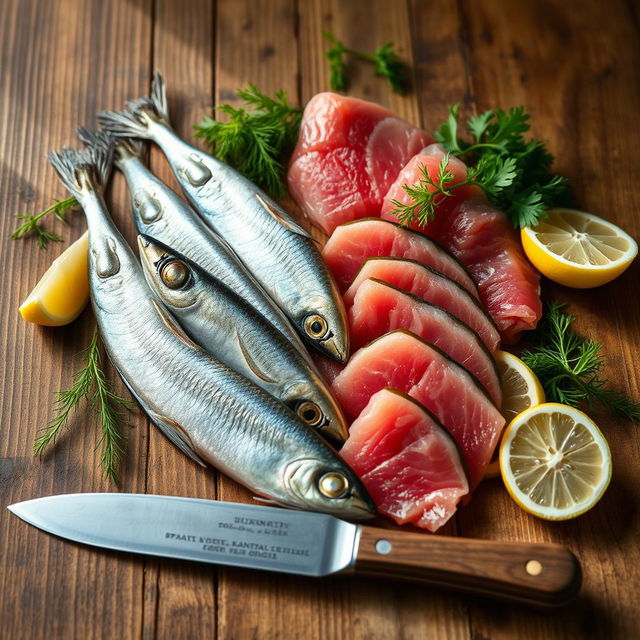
161 214
279 253
226 326
210 412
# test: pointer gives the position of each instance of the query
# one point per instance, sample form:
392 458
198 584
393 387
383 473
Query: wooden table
575 67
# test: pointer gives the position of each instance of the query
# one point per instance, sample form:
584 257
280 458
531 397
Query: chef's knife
304 543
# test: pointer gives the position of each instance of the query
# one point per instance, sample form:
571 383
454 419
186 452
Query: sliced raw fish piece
348 154
407 460
353 243
418 279
405 362
483 240
379 308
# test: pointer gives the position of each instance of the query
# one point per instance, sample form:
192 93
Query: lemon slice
521 389
578 249
63 291
555 462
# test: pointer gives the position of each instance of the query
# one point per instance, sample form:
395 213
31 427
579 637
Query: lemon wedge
521 389
63 291
578 249
555 462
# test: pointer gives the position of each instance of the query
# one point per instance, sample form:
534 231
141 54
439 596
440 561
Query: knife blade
304 543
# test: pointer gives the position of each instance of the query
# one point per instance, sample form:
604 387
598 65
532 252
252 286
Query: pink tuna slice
354 242
403 361
409 463
379 308
483 240
418 279
348 154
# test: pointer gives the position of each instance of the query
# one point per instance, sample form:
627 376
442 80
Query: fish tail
82 170
127 148
103 146
129 122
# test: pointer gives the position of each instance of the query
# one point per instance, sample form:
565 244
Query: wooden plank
580 91
59 61
180 597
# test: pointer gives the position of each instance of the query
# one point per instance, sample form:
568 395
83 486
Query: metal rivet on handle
383 547
533 568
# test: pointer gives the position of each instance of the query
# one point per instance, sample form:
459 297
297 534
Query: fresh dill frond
529 189
570 367
256 138
424 195
32 225
337 65
91 384
387 64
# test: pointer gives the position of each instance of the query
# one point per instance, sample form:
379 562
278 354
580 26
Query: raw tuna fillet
379 308
419 280
348 154
405 362
409 463
353 243
484 241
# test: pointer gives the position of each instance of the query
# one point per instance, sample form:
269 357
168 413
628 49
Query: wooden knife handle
543 574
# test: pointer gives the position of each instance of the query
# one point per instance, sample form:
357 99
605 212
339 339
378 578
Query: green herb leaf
386 61
256 139
337 65
514 173
569 366
32 225
90 383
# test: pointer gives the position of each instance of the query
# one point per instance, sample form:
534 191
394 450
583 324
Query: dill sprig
32 223
424 195
569 366
529 188
90 383
255 139
386 62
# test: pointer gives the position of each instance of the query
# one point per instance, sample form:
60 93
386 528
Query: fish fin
103 142
82 170
127 123
123 124
158 96
251 363
175 328
283 219
265 500
178 436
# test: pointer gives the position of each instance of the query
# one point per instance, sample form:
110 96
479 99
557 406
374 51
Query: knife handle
543 574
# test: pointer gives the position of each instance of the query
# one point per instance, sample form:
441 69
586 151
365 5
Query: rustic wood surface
575 67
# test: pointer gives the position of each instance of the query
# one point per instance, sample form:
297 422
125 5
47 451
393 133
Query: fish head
327 486
173 280
315 405
322 322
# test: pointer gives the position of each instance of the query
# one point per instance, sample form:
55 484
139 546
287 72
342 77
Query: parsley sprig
32 225
256 138
570 366
528 188
514 173
90 383
386 62
427 193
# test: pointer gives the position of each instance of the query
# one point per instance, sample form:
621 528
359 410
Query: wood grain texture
59 61
575 69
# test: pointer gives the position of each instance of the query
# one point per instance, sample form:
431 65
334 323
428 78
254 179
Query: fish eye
175 274
310 413
315 326
333 485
